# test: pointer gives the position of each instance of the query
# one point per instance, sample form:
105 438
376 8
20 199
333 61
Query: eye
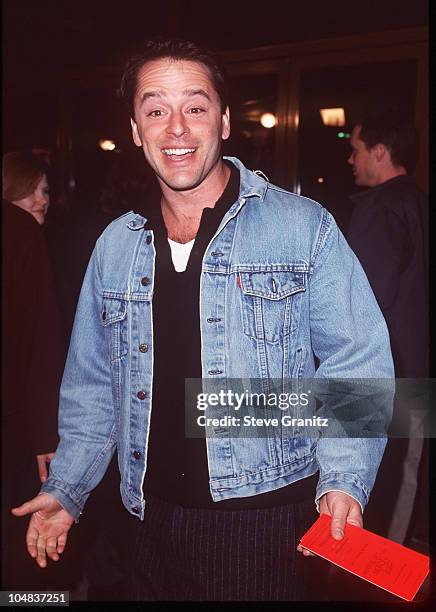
155 113
196 110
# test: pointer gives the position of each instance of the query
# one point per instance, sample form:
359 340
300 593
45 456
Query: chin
185 184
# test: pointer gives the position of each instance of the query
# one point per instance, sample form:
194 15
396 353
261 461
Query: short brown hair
393 128
21 173
175 49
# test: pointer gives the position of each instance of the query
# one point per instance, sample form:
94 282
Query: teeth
177 151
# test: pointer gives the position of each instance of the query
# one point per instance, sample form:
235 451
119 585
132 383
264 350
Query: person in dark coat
32 355
388 231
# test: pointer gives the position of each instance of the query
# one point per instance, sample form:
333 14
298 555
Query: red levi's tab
386 564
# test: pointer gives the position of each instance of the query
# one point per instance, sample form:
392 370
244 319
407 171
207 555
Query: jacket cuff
66 496
345 482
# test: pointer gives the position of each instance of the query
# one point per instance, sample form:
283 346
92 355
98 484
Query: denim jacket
279 284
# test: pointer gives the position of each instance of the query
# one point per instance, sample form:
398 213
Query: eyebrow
189 93
196 92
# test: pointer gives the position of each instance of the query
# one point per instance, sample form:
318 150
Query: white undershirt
180 254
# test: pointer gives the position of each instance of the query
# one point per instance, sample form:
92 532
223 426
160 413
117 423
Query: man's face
364 162
178 122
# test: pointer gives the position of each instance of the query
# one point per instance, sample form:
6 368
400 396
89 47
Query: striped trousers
219 555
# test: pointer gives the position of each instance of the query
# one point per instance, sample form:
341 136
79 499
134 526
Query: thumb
339 517
40 502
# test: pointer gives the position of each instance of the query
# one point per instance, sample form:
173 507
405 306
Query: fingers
41 545
42 467
51 548
323 506
355 516
44 547
31 541
343 509
40 549
62 541
305 552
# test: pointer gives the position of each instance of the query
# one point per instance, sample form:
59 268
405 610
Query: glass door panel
254 118
323 150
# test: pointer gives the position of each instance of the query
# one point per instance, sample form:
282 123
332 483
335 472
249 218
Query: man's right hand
48 528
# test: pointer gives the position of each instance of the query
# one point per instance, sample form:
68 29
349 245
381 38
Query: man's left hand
343 509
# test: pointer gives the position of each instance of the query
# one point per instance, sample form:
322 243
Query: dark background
49 46
52 35
52 47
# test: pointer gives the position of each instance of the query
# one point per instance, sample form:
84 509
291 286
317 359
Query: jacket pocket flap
112 310
273 285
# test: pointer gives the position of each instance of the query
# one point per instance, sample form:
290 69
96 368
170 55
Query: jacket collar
251 185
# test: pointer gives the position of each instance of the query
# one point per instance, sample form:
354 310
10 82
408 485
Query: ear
135 133
381 152
226 124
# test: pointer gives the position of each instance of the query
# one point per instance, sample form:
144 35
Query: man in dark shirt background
388 231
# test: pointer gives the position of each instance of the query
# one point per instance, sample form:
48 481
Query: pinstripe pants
216 555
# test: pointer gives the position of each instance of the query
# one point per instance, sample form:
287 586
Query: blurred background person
32 357
25 183
388 231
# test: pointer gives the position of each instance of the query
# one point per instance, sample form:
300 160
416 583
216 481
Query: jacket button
148 239
137 454
143 348
141 395
145 281
103 316
135 509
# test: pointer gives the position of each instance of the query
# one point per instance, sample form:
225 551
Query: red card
386 564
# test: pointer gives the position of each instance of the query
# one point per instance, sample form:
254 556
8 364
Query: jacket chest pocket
113 318
271 303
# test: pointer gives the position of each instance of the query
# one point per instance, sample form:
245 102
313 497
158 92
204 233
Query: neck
390 173
182 210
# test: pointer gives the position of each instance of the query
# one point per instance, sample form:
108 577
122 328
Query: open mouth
178 153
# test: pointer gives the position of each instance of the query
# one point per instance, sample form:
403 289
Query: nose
177 124
350 160
43 200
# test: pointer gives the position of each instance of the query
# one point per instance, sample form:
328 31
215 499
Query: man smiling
219 275
178 121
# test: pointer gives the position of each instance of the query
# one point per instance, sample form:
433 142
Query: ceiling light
268 120
106 145
333 116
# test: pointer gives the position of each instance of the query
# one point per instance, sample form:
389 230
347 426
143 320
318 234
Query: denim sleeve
86 413
351 340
